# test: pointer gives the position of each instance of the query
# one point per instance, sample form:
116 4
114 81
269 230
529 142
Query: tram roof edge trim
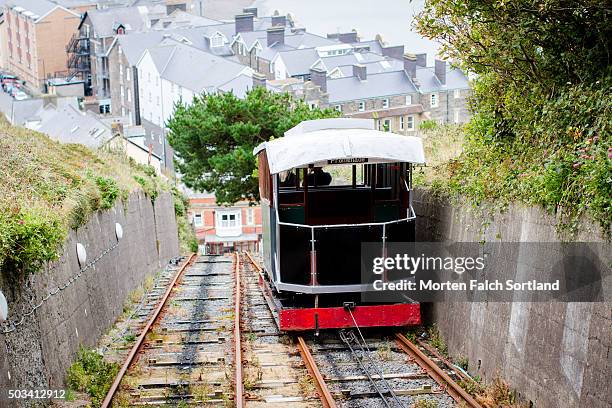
318 147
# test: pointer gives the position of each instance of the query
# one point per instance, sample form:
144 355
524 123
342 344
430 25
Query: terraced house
36 33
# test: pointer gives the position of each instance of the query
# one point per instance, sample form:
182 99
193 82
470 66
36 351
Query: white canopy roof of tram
339 141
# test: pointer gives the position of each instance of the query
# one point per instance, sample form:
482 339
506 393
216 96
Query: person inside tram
318 177
288 180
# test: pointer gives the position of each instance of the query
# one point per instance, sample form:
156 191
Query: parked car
20 96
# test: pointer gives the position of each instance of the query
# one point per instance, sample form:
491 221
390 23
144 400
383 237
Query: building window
338 108
216 41
456 115
361 106
434 100
250 215
121 72
129 95
127 73
410 123
408 99
401 123
457 93
157 99
386 103
228 222
387 125
312 105
197 220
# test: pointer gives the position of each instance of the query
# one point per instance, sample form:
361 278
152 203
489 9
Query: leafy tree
215 135
542 107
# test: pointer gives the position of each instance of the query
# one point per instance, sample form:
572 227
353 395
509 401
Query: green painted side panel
386 212
292 214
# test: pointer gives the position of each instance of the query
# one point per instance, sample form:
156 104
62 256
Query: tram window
342 175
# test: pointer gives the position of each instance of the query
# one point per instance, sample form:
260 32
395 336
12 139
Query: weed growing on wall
187 238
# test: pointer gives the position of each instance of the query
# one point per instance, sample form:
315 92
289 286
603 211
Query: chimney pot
410 65
348 38
279 21
259 80
250 10
440 70
421 60
360 71
275 35
243 23
319 77
393 52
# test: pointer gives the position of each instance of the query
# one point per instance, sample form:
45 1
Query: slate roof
134 45
181 19
377 85
386 65
132 18
176 63
38 8
67 124
298 62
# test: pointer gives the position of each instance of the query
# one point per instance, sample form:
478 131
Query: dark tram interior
356 194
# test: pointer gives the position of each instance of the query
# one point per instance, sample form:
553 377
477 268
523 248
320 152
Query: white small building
173 72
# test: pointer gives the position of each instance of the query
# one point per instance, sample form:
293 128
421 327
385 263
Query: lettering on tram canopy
349 160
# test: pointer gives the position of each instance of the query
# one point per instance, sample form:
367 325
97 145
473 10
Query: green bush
109 191
91 374
187 238
28 239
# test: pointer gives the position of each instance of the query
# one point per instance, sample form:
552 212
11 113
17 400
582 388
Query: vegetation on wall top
541 130
48 188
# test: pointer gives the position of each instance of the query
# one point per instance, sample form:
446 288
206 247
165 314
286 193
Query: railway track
212 341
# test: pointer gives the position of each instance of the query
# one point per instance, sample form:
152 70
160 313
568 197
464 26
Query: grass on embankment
48 188
572 180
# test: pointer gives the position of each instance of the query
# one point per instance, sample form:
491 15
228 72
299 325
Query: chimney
259 80
250 10
243 23
421 60
410 65
279 21
347 38
440 70
393 52
318 77
276 35
360 72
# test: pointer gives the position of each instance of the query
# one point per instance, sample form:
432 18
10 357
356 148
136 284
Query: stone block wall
37 354
554 354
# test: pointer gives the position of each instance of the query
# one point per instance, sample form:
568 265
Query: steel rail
324 394
326 398
239 388
347 340
137 345
440 357
441 377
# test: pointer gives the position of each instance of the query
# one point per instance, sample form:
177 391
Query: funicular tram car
326 187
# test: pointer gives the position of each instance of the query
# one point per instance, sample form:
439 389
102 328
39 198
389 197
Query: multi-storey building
164 78
36 33
220 229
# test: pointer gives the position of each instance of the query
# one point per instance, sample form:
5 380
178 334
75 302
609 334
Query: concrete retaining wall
553 354
38 353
